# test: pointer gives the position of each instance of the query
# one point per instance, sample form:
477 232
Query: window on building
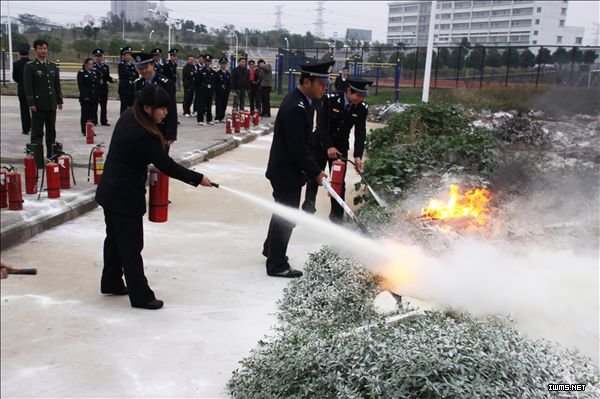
534 42
521 22
446 16
446 4
578 40
561 22
481 14
462 15
537 21
523 11
563 11
535 33
558 39
411 8
497 13
539 9
445 26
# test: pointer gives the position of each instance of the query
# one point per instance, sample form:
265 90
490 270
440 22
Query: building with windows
133 10
363 35
496 22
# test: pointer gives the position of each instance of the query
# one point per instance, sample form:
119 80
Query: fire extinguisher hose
382 203
345 206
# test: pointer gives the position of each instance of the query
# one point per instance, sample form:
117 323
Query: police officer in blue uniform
149 77
87 82
157 61
103 72
290 162
337 114
127 75
222 88
188 75
170 67
204 91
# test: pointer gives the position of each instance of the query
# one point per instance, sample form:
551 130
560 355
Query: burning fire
471 205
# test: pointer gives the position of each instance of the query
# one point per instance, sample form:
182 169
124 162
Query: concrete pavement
195 144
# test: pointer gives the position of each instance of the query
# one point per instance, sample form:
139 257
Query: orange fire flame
471 205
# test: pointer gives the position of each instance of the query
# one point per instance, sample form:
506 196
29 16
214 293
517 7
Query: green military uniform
42 89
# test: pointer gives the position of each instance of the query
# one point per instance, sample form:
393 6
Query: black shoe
25 132
120 291
83 134
289 273
106 124
154 304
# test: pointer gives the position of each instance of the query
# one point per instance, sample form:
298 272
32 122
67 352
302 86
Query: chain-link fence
458 66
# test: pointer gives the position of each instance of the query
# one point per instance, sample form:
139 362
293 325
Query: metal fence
458 66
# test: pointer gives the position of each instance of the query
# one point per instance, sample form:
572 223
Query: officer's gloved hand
320 178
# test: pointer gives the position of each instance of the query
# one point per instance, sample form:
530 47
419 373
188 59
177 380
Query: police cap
126 50
208 57
98 51
142 59
223 60
317 69
156 51
173 51
360 86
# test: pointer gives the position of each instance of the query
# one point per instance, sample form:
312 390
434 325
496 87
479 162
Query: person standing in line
18 67
341 81
254 93
204 91
136 142
240 81
336 116
222 88
149 77
290 162
170 67
127 75
103 72
41 81
87 82
188 75
266 82
157 61
199 65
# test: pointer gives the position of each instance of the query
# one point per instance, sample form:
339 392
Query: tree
83 47
527 59
561 56
188 24
544 56
589 56
444 57
514 57
17 38
493 58
578 55
31 22
465 43
54 43
475 57
457 58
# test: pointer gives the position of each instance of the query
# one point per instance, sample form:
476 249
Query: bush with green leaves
318 352
425 137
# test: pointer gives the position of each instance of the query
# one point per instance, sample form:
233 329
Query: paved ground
194 145
61 338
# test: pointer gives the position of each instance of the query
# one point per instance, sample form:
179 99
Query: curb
17 233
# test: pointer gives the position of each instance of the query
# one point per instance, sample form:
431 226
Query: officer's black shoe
119 291
25 132
106 124
289 273
154 304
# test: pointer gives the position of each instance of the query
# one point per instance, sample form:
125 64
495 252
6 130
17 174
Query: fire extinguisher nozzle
216 185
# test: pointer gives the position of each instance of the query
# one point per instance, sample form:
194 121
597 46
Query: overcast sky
298 16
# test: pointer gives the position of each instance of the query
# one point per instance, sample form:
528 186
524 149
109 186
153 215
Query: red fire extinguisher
255 119
228 125
159 196
14 188
31 172
89 133
52 179
3 190
96 162
237 123
338 170
246 120
65 170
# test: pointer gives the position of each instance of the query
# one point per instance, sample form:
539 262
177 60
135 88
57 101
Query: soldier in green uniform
42 90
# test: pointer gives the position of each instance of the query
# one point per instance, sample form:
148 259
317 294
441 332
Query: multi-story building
527 22
133 10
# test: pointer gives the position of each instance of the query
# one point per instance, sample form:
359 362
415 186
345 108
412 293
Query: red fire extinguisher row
3 190
52 179
228 125
338 170
255 118
89 133
96 162
159 196
65 171
237 123
14 189
31 172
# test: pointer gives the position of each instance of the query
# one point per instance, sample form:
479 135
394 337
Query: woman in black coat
87 83
136 143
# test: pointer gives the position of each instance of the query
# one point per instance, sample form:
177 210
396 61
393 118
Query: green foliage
319 351
424 137
527 59
589 56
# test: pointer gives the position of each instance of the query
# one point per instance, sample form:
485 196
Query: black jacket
339 84
87 82
17 75
127 75
169 126
188 75
205 77
334 123
169 69
122 186
240 78
103 72
290 162
222 82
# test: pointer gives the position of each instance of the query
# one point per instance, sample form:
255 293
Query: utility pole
320 23
429 58
278 14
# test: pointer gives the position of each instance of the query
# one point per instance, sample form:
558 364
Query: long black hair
85 62
154 97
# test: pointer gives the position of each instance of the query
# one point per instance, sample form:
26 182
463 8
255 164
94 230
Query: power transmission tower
320 23
278 14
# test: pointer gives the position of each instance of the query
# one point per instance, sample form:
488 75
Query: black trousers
25 115
87 113
103 102
122 256
40 119
280 230
255 103
265 95
126 102
238 100
221 99
188 99
204 101
336 214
